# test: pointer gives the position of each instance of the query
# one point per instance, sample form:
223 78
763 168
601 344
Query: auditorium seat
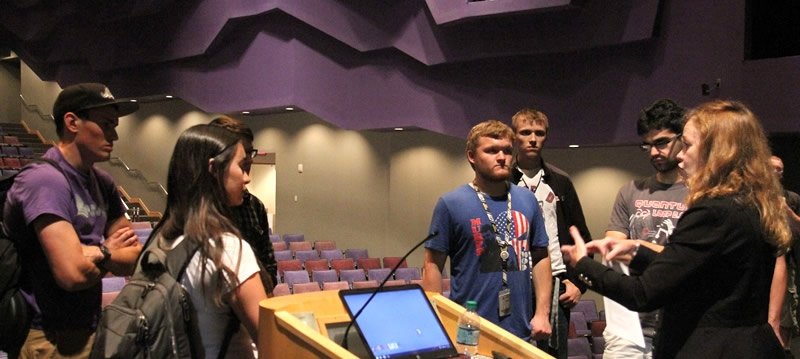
597 327
335 285
407 274
306 255
283 255
322 276
598 346
281 289
141 225
275 238
289 265
294 237
298 288
324 245
143 233
352 275
26 151
343 264
331 254
280 246
390 262
299 246
378 274
356 253
113 283
579 348
581 326
11 163
365 284
9 151
366 264
589 309
316 265
291 277
12 140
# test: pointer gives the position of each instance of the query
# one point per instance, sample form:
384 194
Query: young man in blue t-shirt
495 237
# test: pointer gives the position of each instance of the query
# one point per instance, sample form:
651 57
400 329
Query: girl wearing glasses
206 177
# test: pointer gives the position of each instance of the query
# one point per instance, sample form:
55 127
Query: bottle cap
471 305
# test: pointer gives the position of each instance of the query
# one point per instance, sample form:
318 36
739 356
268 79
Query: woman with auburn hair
713 278
206 177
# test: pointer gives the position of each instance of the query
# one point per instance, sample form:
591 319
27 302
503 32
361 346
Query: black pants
559 330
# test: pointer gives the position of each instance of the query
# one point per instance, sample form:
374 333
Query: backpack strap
230 330
176 261
178 258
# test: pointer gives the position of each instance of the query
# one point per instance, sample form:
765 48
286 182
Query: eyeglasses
246 165
659 144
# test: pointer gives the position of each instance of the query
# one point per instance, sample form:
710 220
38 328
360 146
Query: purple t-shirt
89 202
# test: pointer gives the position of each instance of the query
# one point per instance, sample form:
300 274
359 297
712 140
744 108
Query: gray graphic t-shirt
649 210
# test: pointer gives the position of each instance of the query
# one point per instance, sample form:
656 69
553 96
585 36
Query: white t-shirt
547 202
211 318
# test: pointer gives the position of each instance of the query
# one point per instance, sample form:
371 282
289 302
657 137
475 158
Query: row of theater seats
295 273
315 286
585 335
8 150
17 148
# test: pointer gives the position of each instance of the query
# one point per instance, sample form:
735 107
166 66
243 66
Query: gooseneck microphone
378 289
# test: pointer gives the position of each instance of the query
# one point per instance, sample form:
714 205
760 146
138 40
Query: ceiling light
245 112
134 101
398 128
574 146
168 96
290 109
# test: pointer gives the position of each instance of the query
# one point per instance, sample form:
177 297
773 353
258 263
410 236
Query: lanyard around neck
533 189
503 241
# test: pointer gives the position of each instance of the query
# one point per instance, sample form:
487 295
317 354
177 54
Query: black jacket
712 280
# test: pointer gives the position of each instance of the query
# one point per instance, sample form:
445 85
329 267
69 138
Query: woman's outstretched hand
614 249
574 253
610 248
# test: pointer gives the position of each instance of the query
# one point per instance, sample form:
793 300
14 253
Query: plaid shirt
251 218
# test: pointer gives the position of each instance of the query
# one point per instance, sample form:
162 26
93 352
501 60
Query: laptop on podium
399 322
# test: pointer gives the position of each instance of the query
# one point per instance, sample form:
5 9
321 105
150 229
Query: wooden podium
282 335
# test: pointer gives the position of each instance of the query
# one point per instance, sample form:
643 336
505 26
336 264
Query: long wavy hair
197 201
735 155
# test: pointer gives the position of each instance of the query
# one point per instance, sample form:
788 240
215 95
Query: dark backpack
15 314
153 316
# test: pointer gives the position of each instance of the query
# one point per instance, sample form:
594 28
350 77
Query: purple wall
439 65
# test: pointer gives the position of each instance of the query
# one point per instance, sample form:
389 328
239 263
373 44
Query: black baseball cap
85 96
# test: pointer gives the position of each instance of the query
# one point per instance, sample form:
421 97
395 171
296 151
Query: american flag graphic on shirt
520 229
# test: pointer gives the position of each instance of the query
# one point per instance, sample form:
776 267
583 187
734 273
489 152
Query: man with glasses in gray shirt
647 209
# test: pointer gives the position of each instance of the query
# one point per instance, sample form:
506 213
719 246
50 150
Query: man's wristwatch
106 257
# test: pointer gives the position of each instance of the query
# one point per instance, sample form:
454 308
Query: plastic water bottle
469 330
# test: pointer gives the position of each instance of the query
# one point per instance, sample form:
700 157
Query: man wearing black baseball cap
69 222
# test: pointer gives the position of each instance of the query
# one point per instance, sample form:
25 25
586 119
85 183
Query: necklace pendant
504 254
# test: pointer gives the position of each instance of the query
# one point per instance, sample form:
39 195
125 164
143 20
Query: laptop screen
398 323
